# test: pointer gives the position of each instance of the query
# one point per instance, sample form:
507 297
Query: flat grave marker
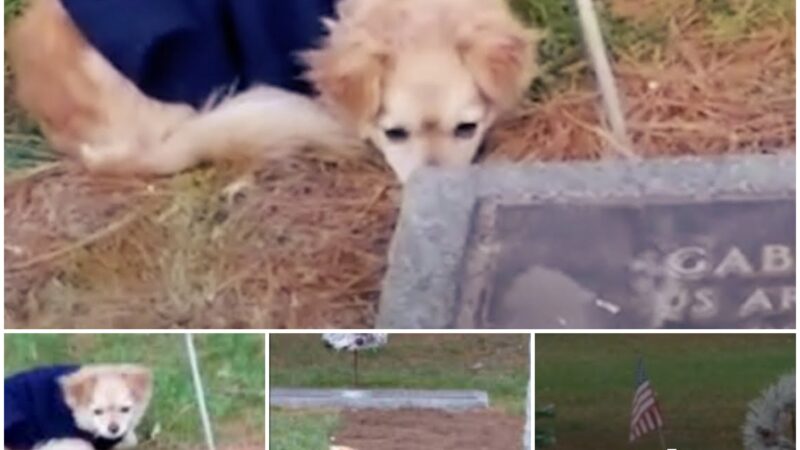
681 243
450 400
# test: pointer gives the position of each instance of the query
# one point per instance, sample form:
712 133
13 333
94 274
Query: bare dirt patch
428 429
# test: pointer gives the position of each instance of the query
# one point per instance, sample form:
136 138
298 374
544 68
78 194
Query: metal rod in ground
199 392
355 368
661 436
601 65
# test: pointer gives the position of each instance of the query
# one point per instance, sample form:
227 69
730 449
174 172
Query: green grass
232 367
561 53
704 383
301 430
497 364
733 18
12 8
560 49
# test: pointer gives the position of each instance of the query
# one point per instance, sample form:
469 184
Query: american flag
646 416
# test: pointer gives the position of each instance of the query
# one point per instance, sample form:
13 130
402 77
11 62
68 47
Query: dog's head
108 401
423 80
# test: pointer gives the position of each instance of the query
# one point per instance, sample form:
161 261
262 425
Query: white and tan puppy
422 80
66 407
108 401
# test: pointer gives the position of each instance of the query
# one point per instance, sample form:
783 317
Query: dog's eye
396 134
465 130
125 409
98 412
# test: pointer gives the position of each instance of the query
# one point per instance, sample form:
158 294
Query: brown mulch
300 246
699 95
412 429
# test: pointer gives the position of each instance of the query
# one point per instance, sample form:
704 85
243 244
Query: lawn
703 382
301 430
497 364
232 367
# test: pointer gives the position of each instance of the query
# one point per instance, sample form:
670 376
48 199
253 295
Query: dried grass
701 95
299 245
304 244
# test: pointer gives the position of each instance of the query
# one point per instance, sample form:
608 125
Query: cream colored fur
65 444
109 400
441 71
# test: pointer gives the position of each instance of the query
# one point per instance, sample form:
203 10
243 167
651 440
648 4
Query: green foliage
12 8
560 49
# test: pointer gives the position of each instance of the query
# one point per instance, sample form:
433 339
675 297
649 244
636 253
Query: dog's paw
91 156
107 158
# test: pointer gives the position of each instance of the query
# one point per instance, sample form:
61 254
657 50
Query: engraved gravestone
687 243
676 263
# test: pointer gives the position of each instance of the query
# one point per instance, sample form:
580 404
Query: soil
412 429
244 447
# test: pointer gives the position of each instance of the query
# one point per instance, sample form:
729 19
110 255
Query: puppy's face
432 113
108 401
423 82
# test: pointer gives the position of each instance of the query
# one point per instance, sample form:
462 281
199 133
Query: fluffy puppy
74 407
422 80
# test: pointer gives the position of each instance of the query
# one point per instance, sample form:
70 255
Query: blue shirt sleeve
34 407
183 50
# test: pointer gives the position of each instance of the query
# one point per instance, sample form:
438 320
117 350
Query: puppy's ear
139 380
77 388
348 73
501 54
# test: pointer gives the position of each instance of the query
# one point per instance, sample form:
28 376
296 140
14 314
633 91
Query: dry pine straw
304 244
700 96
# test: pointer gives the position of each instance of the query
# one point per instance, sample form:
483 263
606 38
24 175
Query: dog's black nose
432 161
113 428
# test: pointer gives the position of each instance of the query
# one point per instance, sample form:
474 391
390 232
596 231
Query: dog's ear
348 73
77 388
501 54
140 381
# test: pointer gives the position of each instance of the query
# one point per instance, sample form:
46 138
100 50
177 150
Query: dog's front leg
65 444
128 441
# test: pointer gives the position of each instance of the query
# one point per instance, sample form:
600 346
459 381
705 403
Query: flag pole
661 436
